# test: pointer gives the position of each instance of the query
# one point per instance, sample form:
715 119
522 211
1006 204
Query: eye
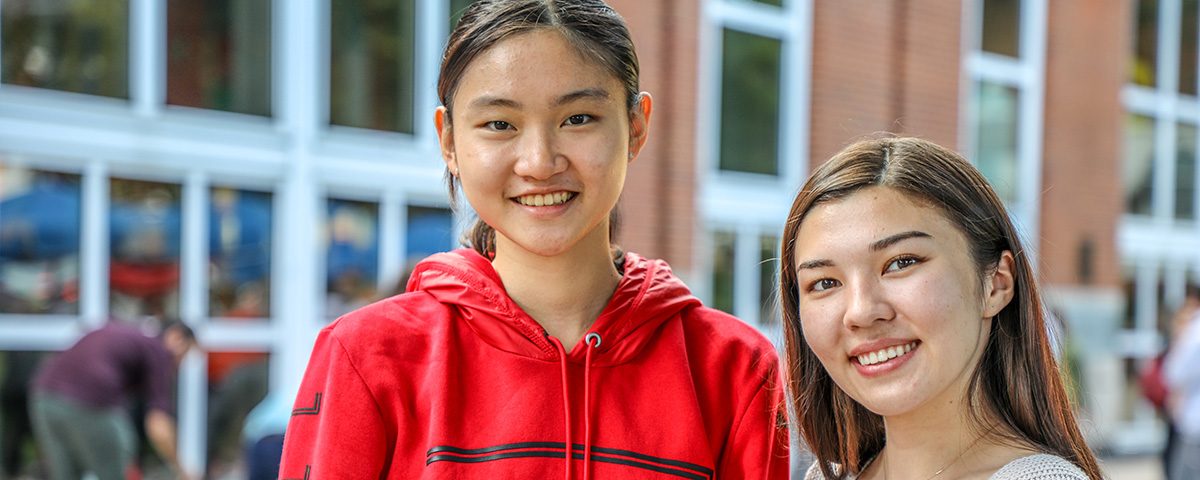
579 119
823 285
498 125
901 263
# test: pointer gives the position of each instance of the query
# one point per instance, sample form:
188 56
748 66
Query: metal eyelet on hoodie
592 336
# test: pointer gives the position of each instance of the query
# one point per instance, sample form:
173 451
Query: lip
882 368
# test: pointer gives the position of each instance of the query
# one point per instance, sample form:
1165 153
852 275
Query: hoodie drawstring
562 362
587 408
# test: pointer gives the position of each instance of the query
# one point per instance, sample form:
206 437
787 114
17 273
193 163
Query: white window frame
1027 75
747 204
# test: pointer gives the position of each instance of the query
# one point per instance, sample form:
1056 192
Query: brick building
258 167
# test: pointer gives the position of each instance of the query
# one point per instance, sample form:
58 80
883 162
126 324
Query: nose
538 156
867 304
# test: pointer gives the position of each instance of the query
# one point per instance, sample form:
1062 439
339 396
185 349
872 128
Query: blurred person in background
1181 370
16 369
79 400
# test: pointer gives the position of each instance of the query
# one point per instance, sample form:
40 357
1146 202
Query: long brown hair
1016 385
595 30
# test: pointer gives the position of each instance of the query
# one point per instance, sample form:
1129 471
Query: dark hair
595 30
1016 385
177 325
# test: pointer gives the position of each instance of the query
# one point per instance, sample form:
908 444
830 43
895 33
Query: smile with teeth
886 354
545 200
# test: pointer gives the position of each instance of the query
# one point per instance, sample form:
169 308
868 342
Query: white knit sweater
1034 467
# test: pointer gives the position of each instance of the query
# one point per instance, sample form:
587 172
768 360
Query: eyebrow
583 94
875 246
897 238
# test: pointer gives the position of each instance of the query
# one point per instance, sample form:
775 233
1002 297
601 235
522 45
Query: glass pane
237 382
371 74
239 254
20 459
1138 171
768 264
80 47
1185 173
996 134
456 11
39 241
724 244
219 55
1002 27
144 243
1145 44
430 230
1187 47
750 103
352 255
777 3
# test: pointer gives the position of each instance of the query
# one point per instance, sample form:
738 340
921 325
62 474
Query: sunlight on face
540 137
890 301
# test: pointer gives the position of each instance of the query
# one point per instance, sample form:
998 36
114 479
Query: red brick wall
884 66
658 206
1087 51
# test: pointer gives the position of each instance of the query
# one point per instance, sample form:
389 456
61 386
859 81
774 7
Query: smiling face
891 302
540 138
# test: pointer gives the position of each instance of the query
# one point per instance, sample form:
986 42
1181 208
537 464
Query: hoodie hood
646 297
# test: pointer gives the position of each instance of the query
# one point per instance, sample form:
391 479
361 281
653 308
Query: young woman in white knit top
916 336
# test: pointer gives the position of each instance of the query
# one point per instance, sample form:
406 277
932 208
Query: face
891 302
540 138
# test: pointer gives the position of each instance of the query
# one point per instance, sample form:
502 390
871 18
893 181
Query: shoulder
814 472
1040 467
411 318
728 336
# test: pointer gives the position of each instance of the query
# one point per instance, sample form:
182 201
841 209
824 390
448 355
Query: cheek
820 326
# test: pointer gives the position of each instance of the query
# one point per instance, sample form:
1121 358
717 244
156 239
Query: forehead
540 64
854 221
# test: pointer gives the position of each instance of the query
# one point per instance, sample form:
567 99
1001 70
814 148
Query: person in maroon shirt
79 404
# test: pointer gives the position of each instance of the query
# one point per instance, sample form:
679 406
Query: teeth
548 199
886 354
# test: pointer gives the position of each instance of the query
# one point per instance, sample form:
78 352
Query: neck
933 443
564 293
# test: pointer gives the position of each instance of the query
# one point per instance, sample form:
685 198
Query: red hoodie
454 380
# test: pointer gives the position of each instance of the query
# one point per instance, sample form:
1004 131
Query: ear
639 124
441 121
1000 285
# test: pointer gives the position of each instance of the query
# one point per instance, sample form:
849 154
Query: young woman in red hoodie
542 350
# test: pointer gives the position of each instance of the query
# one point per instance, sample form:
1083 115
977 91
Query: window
1185 172
144 241
456 10
1145 44
1187 46
352 255
1003 134
39 241
372 64
1138 174
79 47
724 251
219 55
996 137
239 251
1002 27
430 230
767 266
750 105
